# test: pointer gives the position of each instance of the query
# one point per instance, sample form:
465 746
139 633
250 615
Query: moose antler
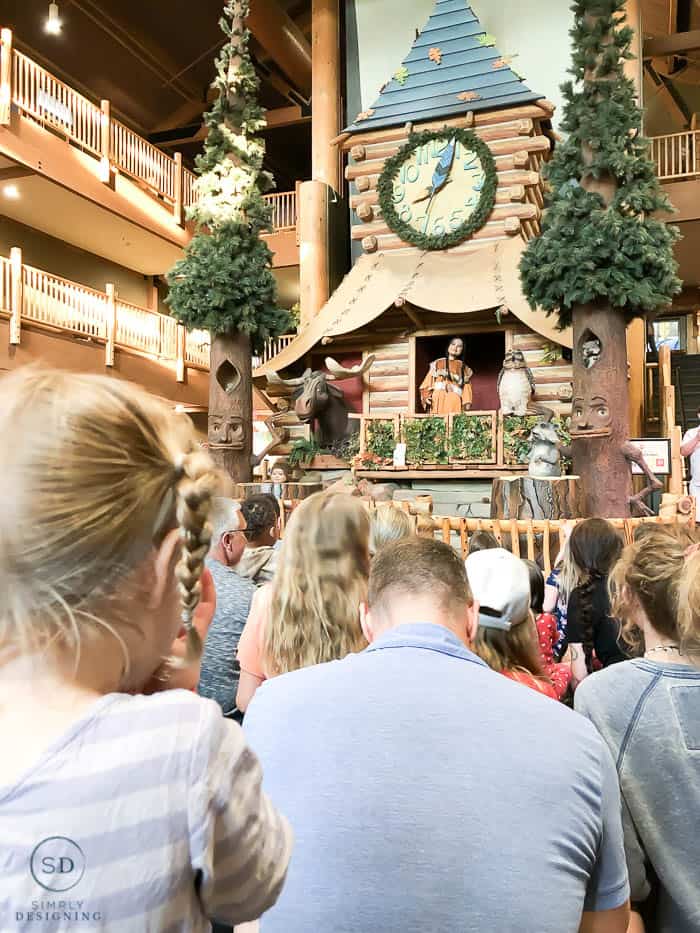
341 372
275 380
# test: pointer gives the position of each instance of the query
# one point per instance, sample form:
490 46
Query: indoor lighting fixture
53 23
11 192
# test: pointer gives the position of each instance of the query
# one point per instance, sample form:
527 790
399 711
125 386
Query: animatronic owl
516 384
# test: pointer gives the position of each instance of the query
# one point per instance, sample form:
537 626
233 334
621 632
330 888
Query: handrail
135 156
273 346
284 209
676 155
51 301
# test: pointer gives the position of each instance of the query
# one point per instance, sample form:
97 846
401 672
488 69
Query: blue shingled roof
470 65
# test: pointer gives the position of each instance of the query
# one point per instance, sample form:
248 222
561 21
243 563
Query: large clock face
441 188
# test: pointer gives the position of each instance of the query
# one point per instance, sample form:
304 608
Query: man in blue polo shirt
429 794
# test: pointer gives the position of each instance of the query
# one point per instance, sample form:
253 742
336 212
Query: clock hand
441 174
428 193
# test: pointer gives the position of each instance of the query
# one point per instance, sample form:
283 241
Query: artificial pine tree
225 283
602 258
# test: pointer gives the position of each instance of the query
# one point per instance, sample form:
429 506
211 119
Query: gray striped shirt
146 815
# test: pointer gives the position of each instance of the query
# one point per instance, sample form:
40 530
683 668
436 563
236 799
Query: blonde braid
196 484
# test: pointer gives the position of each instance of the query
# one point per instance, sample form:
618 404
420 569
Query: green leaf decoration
471 438
615 253
426 440
486 39
225 283
402 75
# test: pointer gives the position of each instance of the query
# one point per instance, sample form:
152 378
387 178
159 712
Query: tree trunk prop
522 497
600 420
231 407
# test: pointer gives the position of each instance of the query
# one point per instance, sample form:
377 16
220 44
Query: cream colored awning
447 283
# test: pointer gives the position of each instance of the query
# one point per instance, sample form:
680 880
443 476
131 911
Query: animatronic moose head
316 398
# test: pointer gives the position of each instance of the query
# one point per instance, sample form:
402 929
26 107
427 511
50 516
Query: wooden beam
283 41
325 97
19 171
286 116
675 44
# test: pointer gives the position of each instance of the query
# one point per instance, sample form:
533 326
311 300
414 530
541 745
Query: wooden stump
521 497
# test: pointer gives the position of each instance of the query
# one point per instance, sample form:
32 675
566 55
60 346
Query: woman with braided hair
147 808
592 634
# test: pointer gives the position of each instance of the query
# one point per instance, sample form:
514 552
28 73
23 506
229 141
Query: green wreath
392 167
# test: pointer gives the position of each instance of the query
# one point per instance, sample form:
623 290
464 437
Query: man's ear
158 568
233 543
367 623
472 621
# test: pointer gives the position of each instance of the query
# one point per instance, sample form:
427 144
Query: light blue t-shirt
427 792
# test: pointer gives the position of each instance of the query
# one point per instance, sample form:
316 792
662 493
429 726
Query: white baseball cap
500 583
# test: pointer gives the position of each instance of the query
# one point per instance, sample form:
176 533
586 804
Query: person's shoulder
226 578
610 696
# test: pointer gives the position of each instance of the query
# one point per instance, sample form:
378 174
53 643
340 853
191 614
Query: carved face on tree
227 431
591 417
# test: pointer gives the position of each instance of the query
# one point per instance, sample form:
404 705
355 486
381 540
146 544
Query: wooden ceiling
154 60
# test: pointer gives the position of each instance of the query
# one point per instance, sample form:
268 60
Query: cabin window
484 354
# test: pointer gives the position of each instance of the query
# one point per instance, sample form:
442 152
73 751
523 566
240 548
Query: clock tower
448 157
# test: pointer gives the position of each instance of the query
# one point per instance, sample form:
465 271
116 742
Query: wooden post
675 482
179 209
5 76
181 341
16 293
105 136
667 398
111 323
636 356
231 406
325 91
314 272
634 67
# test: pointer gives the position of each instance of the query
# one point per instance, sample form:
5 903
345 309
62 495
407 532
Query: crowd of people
454 745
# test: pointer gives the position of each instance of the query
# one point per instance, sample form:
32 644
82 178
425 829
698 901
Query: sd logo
57 863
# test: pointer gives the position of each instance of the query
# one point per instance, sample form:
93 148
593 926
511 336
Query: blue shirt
427 792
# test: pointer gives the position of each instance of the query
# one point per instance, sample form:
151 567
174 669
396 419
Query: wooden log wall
519 148
553 380
389 379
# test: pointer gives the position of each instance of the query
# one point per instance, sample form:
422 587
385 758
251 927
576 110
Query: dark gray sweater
649 715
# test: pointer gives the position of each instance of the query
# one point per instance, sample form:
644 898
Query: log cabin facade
402 302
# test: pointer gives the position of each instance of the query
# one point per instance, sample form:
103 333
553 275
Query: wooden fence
49 301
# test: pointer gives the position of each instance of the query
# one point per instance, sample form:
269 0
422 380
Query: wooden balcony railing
38 95
32 295
272 348
676 156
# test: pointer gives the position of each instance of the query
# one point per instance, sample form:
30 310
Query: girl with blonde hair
103 535
388 525
310 613
647 710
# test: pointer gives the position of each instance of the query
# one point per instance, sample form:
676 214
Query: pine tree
224 283
602 258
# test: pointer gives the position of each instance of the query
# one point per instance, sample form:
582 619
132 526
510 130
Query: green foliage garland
224 283
426 440
303 451
590 252
472 438
475 221
381 439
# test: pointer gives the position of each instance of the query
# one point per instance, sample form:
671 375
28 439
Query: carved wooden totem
231 406
600 413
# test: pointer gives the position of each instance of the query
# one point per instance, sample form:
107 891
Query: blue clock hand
442 171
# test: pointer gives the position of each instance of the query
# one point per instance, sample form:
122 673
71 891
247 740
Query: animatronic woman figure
447 387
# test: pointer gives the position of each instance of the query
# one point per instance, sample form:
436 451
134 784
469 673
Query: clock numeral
438 227
456 220
412 173
398 194
406 214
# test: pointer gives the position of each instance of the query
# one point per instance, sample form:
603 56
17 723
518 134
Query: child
151 805
506 638
542 602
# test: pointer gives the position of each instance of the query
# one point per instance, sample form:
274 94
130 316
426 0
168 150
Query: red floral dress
548 636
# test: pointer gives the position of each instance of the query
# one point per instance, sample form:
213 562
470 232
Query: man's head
261 514
228 525
419 580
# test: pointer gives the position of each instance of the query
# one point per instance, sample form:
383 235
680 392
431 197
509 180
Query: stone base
522 497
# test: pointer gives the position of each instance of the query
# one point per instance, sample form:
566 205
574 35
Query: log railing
273 347
33 296
676 155
142 161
